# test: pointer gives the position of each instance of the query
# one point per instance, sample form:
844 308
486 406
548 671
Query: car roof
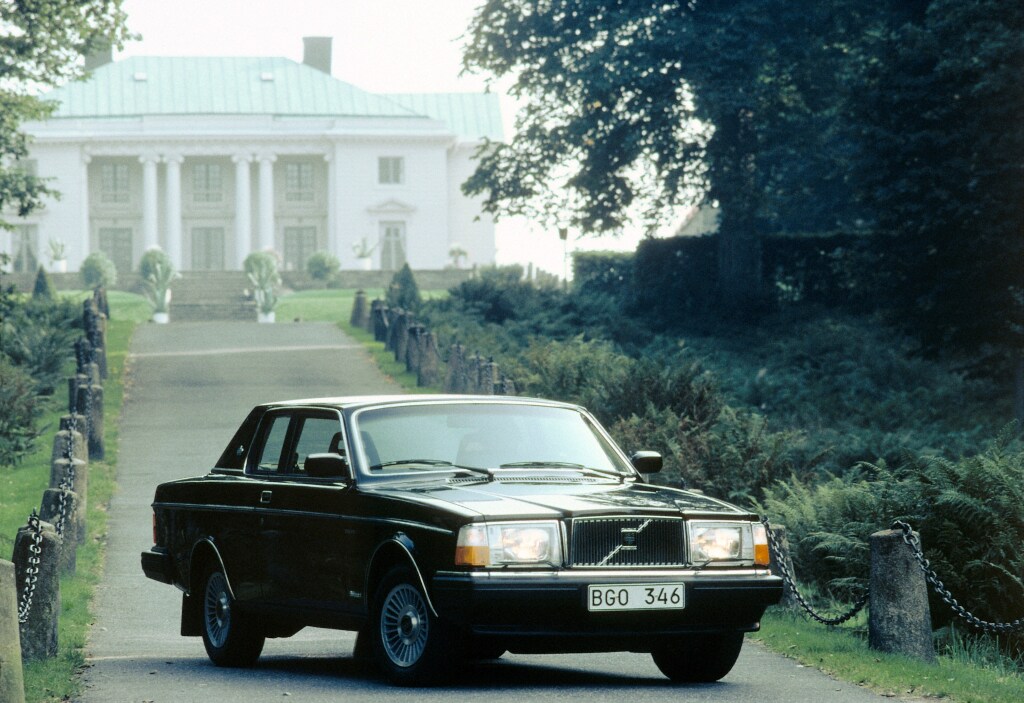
363 401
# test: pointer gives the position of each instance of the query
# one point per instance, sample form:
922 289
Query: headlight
721 541
483 544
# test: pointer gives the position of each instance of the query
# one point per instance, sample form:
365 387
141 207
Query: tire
411 646
699 658
229 636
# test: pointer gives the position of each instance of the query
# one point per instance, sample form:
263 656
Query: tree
634 109
41 45
942 164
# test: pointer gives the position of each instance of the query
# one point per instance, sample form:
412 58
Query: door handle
265 497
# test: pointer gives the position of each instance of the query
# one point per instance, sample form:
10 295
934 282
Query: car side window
317 435
273 444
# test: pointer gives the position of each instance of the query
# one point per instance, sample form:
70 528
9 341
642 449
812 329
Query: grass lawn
968 676
23 486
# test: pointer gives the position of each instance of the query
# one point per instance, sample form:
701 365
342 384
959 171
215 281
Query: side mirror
326 466
646 462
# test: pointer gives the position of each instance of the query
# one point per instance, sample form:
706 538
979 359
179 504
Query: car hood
525 498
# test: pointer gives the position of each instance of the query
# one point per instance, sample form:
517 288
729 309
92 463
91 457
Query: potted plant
261 269
159 273
58 257
457 254
363 252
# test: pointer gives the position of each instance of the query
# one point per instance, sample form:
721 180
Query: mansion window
25 252
390 170
298 182
207 183
114 186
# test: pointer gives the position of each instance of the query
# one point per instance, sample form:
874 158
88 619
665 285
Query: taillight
154 527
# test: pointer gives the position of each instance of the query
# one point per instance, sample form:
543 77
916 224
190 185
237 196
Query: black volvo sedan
448 527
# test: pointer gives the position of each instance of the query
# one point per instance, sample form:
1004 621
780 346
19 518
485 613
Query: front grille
627 541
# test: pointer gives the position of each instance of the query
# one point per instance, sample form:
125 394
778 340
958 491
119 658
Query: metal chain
914 542
788 579
32 569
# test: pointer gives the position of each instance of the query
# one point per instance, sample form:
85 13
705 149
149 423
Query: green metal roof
469 114
149 85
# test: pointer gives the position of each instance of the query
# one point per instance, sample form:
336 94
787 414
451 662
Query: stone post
50 511
359 310
428 374
412 348
83 354
39 632
60 475
393 316
89 402
400 334
455 380
784 558
508 386
12 680
73 384
380 320
899 620
473 374
488 377
68 443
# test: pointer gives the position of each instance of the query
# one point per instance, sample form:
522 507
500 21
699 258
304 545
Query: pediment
391 207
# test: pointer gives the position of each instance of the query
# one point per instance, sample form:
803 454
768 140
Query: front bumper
538 611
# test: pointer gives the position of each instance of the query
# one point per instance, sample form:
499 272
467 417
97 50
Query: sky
386 46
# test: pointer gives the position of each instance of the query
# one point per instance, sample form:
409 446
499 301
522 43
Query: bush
969 512
403 291
322 265
261 269
19 412
153 258
38 336
98 270
43 288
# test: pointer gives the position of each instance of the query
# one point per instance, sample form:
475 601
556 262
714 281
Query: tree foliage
41 45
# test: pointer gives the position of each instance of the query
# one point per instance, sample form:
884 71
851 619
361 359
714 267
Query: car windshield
487 436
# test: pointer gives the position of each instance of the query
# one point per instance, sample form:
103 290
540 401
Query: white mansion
213 158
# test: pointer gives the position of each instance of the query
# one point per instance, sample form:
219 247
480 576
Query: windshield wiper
560 465
423 462
489 473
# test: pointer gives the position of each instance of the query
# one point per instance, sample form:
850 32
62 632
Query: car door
302 517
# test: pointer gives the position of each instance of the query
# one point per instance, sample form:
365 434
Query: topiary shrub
322 266
98 270
261 268
19 412
153 257
403 291
43 288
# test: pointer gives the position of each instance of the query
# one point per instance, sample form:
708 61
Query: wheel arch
204 554
396 550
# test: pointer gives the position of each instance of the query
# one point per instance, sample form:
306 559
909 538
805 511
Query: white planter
364 263
161 318
265 317
60 266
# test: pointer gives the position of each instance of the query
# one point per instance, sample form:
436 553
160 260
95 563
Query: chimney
100 55
316 52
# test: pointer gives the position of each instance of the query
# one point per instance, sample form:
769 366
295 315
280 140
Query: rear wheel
411 646
698 658
229 637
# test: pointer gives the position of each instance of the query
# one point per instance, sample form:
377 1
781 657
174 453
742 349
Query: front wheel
698 658
411 646
230 639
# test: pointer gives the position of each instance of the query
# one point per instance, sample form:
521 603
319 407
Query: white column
86 220
267 201
150 236
333 245
174 248
243 208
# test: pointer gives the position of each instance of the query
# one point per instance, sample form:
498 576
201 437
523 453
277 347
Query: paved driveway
189 386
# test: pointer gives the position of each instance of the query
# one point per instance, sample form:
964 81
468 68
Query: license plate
660 596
